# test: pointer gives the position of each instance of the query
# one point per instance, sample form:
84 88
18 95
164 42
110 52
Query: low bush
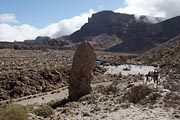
44 111
137 93
13 112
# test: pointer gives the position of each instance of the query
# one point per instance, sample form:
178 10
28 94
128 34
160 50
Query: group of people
153 75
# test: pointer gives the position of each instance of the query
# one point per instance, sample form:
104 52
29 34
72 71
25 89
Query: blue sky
26 19
40 13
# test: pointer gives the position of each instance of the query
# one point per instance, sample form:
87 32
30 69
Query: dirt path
55 96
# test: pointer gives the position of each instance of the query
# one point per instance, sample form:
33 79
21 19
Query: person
149 75
147 78
155 76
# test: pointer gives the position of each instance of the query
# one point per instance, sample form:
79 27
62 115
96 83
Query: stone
4 96
80 76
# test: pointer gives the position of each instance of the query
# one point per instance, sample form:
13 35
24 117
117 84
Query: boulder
80 76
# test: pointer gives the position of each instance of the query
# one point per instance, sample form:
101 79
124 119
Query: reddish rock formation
80 78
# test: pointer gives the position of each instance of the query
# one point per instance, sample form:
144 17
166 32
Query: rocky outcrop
80 77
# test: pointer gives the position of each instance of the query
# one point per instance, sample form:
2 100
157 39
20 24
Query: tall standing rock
82 66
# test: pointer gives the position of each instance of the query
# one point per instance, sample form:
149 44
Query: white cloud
156 8
68 26
25 31
18 33
8 18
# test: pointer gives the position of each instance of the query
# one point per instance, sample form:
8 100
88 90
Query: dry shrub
44 111
13 112
111 89
137 93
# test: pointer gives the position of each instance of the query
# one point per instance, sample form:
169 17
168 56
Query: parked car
102 62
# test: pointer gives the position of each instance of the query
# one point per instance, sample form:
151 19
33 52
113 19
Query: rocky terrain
129 97
30 72
126 98
25 73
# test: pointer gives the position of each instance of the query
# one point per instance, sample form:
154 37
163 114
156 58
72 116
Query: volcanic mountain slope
137 35
165 54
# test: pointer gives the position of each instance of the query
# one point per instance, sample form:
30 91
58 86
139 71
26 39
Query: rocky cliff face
103 22
137 35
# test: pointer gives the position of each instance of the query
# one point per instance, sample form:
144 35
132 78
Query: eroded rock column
82 66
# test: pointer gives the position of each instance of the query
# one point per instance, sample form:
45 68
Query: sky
26 19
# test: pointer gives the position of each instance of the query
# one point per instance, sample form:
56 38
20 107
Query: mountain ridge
136 35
